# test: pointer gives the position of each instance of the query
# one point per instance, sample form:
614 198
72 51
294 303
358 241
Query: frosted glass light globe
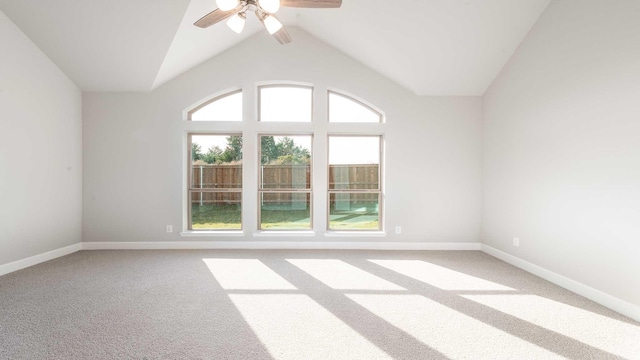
226 5
272 24
236 22
270 6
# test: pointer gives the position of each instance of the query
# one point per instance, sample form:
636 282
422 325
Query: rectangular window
215 182
285 182
354 182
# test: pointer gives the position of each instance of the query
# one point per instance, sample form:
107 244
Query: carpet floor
285 304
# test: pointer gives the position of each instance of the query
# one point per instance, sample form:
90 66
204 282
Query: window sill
212 233
355 234
284 233
292 233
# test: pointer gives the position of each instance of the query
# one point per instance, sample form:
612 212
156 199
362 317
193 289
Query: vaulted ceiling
432 47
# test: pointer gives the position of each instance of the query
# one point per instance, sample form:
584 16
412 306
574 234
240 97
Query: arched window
215 167
282 131
345 109
285 103
226 107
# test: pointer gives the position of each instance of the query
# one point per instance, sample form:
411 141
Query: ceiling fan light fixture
272 24
236 22
270 6
234 12
226 5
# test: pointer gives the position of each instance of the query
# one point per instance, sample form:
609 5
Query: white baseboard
262 245
40 258
602 298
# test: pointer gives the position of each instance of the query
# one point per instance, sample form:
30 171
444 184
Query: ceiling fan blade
282 36
311 3
215 16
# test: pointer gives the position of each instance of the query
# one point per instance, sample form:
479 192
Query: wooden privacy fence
216 177
353 177
341 177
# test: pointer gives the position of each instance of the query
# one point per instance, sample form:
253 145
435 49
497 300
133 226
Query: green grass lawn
354 225
286 219
219 217
361 219
228 217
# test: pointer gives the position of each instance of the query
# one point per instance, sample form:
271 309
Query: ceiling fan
236 10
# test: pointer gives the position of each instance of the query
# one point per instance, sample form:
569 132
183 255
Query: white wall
561 147
40 151
133 146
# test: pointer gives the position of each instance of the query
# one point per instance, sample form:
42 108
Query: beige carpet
205 304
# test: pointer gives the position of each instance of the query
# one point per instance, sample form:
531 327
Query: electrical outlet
516 242
169 228
398 229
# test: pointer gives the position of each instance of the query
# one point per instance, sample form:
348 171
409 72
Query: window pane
216 176
354 211
344 109
285 103
354 177
216 163
354 162
285 211
285 162
286 177
225 108
216 149
216 210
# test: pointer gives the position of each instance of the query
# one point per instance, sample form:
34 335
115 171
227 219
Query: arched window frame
357 100
210 100
320 127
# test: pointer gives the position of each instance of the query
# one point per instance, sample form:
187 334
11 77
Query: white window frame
251 128
262 191
378 191
191 190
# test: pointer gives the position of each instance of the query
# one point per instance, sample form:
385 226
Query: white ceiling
432 47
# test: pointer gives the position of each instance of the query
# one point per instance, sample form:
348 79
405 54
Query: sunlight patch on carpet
342 276
294 326
610 335
439 276
444 329
246 274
